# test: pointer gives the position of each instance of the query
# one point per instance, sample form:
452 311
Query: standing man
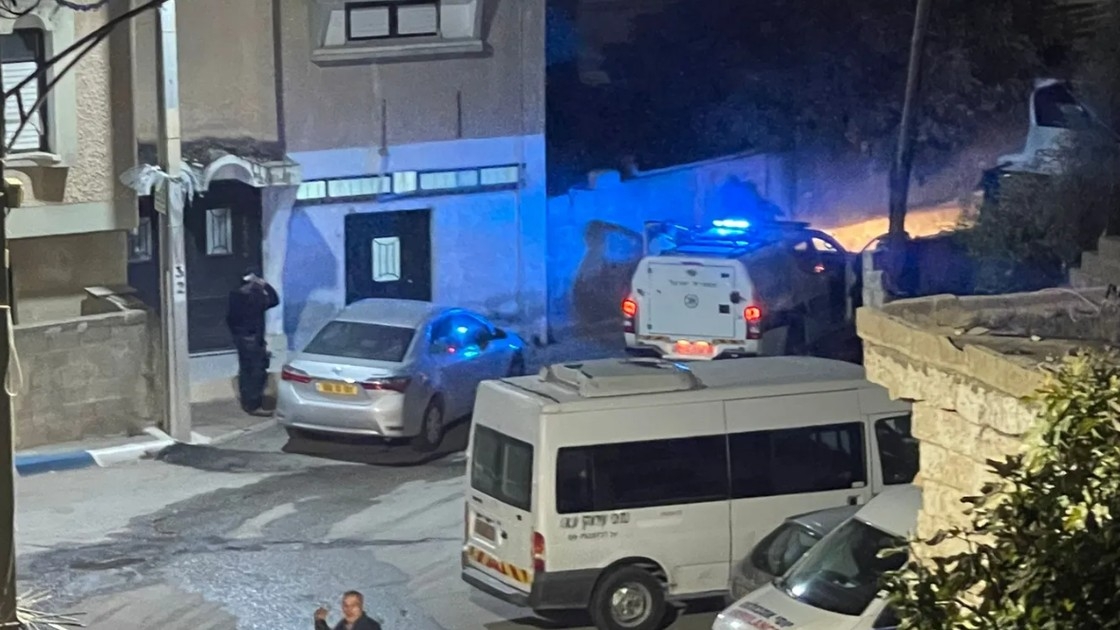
247 306
353 615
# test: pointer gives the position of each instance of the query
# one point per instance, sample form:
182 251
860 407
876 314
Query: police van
737 288
621 486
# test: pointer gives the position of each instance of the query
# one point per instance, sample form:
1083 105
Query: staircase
1100 268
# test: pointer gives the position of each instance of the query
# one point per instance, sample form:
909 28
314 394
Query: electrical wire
10 8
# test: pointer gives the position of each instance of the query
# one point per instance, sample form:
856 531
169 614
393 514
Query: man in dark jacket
353 615
247 306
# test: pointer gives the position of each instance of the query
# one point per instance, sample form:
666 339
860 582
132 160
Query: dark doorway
389 255
223 239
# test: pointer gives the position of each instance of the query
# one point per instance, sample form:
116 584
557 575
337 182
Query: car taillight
395 384
629 313
538 552
753 317
295 375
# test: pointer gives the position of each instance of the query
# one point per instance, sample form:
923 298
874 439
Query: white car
836 584
397 369
737 289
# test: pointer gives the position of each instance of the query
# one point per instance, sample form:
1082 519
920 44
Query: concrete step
1109 248
1101 271
1079 279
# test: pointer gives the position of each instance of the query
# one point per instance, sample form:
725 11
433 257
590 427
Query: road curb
28 464
39 463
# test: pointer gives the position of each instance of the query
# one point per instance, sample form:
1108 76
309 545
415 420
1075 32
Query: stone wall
967 364
1100 268
83 377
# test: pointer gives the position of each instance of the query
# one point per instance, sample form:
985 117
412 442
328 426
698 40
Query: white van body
789 603
768 290
678 470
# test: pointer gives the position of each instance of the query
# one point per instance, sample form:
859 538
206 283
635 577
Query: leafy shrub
1043 547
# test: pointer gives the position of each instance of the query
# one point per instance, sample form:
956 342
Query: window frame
503 441
393 7
37 45
908 418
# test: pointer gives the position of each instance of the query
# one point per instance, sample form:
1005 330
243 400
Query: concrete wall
88 376
968 387
227 79
501 91
488 249
595 233
51 273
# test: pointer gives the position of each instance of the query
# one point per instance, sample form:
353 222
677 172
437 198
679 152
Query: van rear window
502 467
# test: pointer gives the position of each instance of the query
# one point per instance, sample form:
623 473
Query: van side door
790 455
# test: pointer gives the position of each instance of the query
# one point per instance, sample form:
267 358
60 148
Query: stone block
945 428
1109 247
943 466
96 335
1006 414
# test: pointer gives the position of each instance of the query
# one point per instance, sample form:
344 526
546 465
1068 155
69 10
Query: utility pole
170 202
8 617
904 150
904 154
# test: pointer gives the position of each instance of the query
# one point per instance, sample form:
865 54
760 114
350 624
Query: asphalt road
252 537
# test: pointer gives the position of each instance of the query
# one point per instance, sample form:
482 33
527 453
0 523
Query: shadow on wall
311 273
603 278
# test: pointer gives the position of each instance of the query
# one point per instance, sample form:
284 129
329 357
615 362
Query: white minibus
621 486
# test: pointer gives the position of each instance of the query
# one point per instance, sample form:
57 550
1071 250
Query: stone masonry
968 364
89 376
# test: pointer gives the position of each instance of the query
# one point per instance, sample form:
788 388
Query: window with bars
386 19
219 232
22 53
407 183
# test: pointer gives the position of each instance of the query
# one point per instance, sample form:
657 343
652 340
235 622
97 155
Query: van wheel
431 428
628 599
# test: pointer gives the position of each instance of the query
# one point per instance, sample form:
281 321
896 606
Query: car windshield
783 547
356 340
842 573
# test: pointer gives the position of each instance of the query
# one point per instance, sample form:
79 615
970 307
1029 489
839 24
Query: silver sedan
397 369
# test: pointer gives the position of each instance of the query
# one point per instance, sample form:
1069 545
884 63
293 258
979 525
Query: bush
1043 547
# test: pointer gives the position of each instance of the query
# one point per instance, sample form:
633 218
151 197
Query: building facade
383 148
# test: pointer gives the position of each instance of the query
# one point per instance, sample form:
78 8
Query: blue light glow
462 330
734 224
727 232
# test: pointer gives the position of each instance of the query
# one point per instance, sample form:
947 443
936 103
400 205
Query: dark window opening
797 461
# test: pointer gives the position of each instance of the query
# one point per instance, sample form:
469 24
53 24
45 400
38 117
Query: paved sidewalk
213 423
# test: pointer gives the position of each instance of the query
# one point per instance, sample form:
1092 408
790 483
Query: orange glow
752 314
919 222
629 307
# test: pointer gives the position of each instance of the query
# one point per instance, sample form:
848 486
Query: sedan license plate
332 387
485 530
698 348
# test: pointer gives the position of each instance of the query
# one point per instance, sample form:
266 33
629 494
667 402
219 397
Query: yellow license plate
341 389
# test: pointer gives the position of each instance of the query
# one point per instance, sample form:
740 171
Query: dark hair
361 598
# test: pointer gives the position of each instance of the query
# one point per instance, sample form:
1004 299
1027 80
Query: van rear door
690 297
499 532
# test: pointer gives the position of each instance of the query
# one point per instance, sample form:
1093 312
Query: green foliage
1043 546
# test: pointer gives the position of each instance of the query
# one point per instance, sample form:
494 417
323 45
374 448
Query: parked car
777 552
397 369
836 585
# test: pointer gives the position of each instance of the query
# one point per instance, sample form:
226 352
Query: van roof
651 382
894 511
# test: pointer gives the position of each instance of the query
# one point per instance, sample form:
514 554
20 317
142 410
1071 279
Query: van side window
796 461
633 475
898 450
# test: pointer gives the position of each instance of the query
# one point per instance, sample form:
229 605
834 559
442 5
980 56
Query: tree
706 78
1038 226
1042 548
